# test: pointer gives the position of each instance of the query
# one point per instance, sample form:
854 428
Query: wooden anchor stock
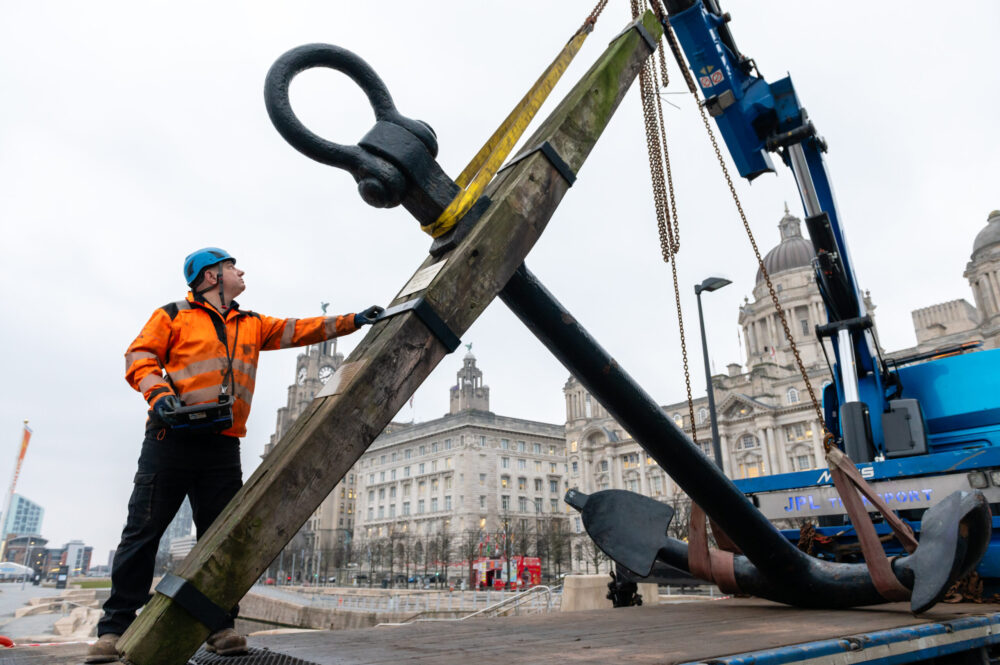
388 365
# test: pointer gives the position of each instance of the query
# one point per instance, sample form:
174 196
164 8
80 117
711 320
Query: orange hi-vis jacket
192 342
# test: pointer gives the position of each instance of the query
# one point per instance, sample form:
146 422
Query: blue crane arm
757 118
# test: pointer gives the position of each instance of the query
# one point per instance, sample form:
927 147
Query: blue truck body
949 401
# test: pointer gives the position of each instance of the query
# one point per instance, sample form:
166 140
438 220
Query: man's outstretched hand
367 317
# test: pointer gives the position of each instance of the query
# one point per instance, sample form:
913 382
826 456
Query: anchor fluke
628 527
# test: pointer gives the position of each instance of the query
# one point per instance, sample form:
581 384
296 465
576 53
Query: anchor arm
772 567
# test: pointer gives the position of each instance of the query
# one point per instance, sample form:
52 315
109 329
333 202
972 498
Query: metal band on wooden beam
555 159
430 318
651 42
194 602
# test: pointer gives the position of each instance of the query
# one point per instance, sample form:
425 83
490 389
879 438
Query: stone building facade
766 421
329 529
471 473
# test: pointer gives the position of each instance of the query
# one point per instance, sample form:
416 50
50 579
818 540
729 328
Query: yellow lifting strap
487 162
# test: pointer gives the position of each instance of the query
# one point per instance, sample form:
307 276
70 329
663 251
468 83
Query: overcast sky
134 132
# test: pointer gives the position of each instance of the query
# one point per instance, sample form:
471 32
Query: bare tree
468 549
445 544
682 516
523 537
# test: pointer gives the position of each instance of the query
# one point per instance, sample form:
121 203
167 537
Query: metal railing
524 602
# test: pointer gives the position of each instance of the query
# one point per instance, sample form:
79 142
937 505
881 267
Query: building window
371 512
538 484
678 419
447 462
553 486
793 396
804 462
482 502
434 504
407 453
656 482
406 507
422 450
522 504
504 481
538 504
554 505
576 467
482 441
604 465
435 484
420 469
420 507
447 482
536 448
572 446
588 409
504 502
447 444
381 459
392 510
522 484
805 326
702 416
392 492
392 474
381 476
482 479
447 502
552 467
371 496
371 478
505 444
422 487
538 465
434 465
406 472
746 442
552 450
522 464
520 446
504 462
751 468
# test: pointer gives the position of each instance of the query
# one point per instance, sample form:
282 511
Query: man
208 348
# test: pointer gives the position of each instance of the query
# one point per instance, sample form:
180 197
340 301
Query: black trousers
205 468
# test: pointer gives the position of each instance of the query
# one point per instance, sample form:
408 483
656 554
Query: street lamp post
710 284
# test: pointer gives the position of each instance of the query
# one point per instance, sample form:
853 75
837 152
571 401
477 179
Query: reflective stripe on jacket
189 339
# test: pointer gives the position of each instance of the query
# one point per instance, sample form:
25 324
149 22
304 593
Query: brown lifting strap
706 563
850 484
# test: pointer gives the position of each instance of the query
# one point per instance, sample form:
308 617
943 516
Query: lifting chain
667 222
827 436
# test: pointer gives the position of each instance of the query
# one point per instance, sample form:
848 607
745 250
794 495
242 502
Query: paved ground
12 597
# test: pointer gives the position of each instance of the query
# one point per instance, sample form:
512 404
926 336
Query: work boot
104 650
226 642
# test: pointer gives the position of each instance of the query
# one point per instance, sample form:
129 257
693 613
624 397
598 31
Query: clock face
325 372
302 375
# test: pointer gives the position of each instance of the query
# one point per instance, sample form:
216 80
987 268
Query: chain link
667 221
827 436
588 23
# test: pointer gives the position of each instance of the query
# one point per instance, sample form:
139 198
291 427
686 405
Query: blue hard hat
202 258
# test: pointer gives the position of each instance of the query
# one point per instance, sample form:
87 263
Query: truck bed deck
721 631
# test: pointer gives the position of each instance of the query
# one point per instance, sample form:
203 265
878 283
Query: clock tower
328 531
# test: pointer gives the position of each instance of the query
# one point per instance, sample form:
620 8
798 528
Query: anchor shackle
396 148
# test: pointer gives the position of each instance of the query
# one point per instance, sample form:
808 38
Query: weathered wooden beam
386 368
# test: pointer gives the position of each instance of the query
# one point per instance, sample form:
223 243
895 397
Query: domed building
983 273
766 420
